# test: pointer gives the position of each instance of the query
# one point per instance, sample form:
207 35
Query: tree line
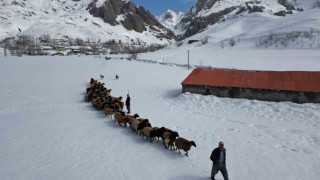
29 45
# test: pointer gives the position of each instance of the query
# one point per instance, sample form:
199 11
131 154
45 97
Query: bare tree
95 49
70 41
82 49
232 42
179 43
205 40
22 44
133 56
312 30
46 38
5 51
222 44
79 42
8 45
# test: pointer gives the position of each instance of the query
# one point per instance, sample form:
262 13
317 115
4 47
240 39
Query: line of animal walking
101 99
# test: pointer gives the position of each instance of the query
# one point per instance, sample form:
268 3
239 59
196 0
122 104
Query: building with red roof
295 86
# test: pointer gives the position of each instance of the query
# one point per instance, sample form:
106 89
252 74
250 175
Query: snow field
47 131
238 58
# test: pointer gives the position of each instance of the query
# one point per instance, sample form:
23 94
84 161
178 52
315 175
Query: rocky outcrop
204 5
287 5
132 17
108 11
193 23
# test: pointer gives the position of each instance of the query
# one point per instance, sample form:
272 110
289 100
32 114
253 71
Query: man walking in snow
218 157
128 103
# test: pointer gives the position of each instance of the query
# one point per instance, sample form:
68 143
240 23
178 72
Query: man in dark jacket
128 103
218 157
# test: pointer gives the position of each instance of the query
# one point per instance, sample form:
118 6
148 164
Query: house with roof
295 86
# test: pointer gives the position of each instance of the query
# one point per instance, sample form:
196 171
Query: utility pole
188 59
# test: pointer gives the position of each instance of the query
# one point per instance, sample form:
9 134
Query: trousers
219 167
128 108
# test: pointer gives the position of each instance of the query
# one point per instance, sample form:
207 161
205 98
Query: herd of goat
101 99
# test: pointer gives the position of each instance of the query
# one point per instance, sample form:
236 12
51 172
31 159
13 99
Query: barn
295 86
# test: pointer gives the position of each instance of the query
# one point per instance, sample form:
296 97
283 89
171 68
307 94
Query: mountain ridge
209 12
83 19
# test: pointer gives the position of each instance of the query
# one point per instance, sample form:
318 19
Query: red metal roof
274 80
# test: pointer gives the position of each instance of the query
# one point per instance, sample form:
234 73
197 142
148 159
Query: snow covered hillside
170 19
73 19
245 14
245 37
48 132
255 26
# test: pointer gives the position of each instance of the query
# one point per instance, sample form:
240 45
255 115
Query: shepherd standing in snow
218 157
128 103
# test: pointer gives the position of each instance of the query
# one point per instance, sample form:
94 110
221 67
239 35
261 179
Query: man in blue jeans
218 157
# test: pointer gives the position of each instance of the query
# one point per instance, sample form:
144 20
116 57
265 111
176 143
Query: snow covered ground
48 132
237 57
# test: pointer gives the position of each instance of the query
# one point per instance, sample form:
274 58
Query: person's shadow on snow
190 177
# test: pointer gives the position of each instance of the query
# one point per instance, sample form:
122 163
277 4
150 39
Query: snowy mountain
86 19
210 12
241 29
170 19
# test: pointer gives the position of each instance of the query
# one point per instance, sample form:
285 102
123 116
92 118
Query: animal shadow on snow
89 107
101 116
98 115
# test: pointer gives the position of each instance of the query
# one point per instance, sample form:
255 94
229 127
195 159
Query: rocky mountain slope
86 19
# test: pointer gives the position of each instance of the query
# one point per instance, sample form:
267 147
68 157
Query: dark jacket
215 155
128 101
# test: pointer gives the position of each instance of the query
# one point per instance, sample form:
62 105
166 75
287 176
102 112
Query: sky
157 7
